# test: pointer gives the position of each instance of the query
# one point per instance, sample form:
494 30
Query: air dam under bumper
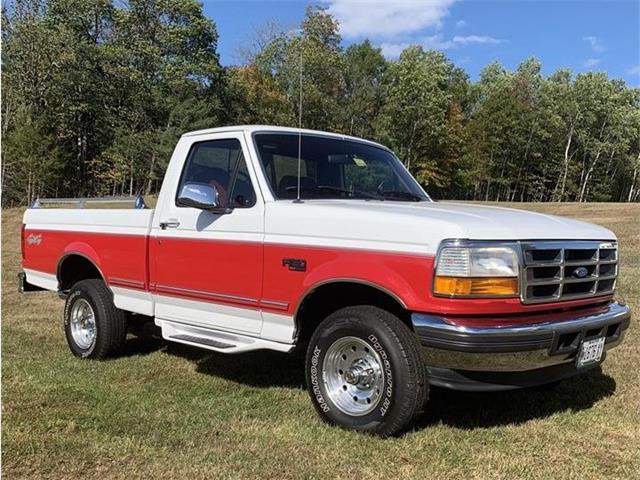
509 354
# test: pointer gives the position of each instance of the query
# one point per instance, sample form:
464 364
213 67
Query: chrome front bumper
513 347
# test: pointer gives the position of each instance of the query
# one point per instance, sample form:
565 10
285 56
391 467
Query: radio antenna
298 200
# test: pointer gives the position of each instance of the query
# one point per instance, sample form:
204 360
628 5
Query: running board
216 340
204 341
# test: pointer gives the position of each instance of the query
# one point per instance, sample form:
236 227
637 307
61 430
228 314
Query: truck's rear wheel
364 371
94 327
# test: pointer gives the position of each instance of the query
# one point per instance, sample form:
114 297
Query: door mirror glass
199 195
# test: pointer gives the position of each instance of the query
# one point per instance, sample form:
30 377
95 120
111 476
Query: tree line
96 93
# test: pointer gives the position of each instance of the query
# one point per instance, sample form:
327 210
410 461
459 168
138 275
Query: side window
221 164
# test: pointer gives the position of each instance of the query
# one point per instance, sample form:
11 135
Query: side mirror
202 196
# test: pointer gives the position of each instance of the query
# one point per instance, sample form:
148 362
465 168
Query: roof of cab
273 128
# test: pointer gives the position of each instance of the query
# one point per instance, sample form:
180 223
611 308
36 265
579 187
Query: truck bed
115 240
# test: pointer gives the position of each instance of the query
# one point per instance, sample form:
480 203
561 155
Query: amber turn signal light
478 286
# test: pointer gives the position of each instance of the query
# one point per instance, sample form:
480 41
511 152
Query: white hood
414 227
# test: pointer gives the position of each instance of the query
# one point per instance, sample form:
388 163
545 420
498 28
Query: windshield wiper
350 192
401 194
330 188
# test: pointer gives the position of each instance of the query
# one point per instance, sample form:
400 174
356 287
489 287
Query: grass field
166 411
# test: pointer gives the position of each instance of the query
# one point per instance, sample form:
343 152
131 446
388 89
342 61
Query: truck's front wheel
94 327
364 371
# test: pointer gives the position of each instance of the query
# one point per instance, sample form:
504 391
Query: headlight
476 271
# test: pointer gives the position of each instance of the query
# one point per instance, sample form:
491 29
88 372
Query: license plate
590 351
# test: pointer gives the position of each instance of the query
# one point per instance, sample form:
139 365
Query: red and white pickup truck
267 238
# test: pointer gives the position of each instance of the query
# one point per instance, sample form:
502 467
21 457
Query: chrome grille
556 271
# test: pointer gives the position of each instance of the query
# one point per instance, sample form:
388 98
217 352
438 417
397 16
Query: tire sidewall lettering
315 380
388 374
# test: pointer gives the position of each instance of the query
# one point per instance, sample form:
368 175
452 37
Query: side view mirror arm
187 202
220 210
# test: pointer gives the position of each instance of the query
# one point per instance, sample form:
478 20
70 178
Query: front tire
364 371
94 327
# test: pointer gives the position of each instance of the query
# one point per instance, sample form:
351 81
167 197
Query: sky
587 35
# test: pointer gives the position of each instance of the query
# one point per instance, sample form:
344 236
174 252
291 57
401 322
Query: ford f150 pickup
271 238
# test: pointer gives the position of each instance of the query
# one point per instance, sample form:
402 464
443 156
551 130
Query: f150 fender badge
295 264
34 239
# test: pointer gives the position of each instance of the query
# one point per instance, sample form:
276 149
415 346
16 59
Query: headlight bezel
480 244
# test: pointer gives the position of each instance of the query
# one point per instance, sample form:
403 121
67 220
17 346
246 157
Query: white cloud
393 50
635 70
377 18
461 24
591 62
475 39
436 42
596 43
432 42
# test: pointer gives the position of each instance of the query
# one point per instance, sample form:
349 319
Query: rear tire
94 327
364 371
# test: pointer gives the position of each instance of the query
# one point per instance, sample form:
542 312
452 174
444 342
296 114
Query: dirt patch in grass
168 411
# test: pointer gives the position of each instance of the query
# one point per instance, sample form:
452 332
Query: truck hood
421 225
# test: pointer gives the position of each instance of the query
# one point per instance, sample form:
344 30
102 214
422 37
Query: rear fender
84 250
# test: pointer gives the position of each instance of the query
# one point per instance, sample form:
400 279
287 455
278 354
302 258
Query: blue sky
601 35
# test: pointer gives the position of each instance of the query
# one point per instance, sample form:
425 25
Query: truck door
206 266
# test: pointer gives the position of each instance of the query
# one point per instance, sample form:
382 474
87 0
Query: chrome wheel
83 324
353 376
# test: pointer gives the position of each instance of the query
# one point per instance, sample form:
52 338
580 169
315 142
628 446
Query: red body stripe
252 275
119 256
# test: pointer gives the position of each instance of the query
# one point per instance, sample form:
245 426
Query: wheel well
328 298
74 268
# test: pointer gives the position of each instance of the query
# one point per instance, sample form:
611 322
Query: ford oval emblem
580 272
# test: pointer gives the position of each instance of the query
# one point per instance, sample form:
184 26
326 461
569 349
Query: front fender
381 277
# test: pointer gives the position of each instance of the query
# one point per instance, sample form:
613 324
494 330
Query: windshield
333 168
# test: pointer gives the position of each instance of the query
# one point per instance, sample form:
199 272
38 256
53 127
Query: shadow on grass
465 410
262 368
469 410
141 345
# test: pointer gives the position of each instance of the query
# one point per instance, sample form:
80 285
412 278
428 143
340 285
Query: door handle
171 223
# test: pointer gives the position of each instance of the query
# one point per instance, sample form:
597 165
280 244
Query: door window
221 164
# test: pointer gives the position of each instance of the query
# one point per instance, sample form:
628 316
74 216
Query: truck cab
275 238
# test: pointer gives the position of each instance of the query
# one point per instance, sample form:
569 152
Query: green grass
168 411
